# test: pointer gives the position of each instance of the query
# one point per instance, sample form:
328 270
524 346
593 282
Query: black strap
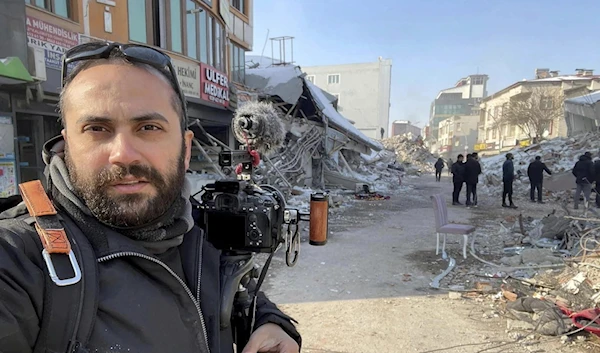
69 311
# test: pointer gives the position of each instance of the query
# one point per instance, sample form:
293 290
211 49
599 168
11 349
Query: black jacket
144 302
508 171
472 171
536 170
597 170
458 172
439 165
584 170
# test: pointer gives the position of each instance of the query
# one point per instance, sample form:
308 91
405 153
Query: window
61 8
546 103
202 30
175 25
237 63
333 79
137 21
311 78
458 127
191 27
239 5
494 133
478 80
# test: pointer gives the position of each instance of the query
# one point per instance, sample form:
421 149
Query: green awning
13 69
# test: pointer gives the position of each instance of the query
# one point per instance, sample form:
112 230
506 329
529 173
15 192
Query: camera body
242 217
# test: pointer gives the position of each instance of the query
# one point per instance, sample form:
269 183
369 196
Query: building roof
287 82
558 79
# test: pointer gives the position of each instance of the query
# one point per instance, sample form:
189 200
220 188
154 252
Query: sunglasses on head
134 53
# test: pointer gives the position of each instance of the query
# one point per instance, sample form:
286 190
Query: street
368 289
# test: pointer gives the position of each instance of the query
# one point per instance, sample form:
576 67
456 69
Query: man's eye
150 127
95 129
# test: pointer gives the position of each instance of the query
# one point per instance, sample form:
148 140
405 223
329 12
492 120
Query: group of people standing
466 172
586 172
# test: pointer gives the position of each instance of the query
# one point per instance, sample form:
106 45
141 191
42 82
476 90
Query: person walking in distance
472 171
458 178
508 176
450 164
535 172
584 174
439 165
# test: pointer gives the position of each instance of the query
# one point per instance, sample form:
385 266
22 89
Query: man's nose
123 151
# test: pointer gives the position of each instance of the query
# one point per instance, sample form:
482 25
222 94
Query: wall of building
363 92
404 127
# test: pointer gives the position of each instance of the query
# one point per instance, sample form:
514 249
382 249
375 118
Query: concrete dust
368 290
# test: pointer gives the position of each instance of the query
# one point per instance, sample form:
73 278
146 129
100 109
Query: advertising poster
55 41
8 178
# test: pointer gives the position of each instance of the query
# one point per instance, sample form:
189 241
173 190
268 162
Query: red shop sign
214 85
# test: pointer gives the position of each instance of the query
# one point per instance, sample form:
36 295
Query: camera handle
238 306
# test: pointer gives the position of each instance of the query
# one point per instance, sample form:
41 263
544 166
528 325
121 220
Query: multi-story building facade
204 38
462 99
496 135
457 134
363 92
401 127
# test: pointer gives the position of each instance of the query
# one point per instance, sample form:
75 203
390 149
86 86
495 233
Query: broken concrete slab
539 256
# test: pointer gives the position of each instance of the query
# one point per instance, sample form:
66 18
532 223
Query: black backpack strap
69 300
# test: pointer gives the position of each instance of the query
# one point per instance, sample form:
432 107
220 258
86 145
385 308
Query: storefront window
137 21
191 35
175 25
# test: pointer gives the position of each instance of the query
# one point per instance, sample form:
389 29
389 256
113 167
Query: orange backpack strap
50 230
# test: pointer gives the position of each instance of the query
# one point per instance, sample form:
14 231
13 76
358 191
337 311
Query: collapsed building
321 148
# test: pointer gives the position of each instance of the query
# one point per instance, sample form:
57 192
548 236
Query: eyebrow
136 119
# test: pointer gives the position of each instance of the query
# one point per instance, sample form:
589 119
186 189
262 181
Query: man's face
124 148
460 159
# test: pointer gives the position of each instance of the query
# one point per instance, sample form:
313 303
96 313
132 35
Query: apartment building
401 127
362 92
457 134
545 94
462 99
204 38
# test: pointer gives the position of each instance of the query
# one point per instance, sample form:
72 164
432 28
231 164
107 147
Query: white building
363 92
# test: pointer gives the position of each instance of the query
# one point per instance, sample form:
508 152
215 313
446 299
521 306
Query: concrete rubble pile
560 155
411 153
543 275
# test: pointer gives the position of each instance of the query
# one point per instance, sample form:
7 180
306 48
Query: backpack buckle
74 265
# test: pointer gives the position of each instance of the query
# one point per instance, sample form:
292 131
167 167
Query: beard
129 210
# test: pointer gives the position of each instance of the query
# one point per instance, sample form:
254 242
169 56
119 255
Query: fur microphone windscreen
258 125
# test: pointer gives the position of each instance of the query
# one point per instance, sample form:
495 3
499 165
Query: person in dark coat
584 177
458 178
535 172
116 176
472 171
597 175
439 165
508 176
450 163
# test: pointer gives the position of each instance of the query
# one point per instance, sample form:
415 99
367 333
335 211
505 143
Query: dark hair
469 155
117 57
538 158
460 156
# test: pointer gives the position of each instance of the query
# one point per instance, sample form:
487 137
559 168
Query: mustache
118 173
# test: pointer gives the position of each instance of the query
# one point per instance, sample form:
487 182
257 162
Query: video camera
240 216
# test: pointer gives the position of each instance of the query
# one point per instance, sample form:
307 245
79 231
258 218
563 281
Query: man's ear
187 138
